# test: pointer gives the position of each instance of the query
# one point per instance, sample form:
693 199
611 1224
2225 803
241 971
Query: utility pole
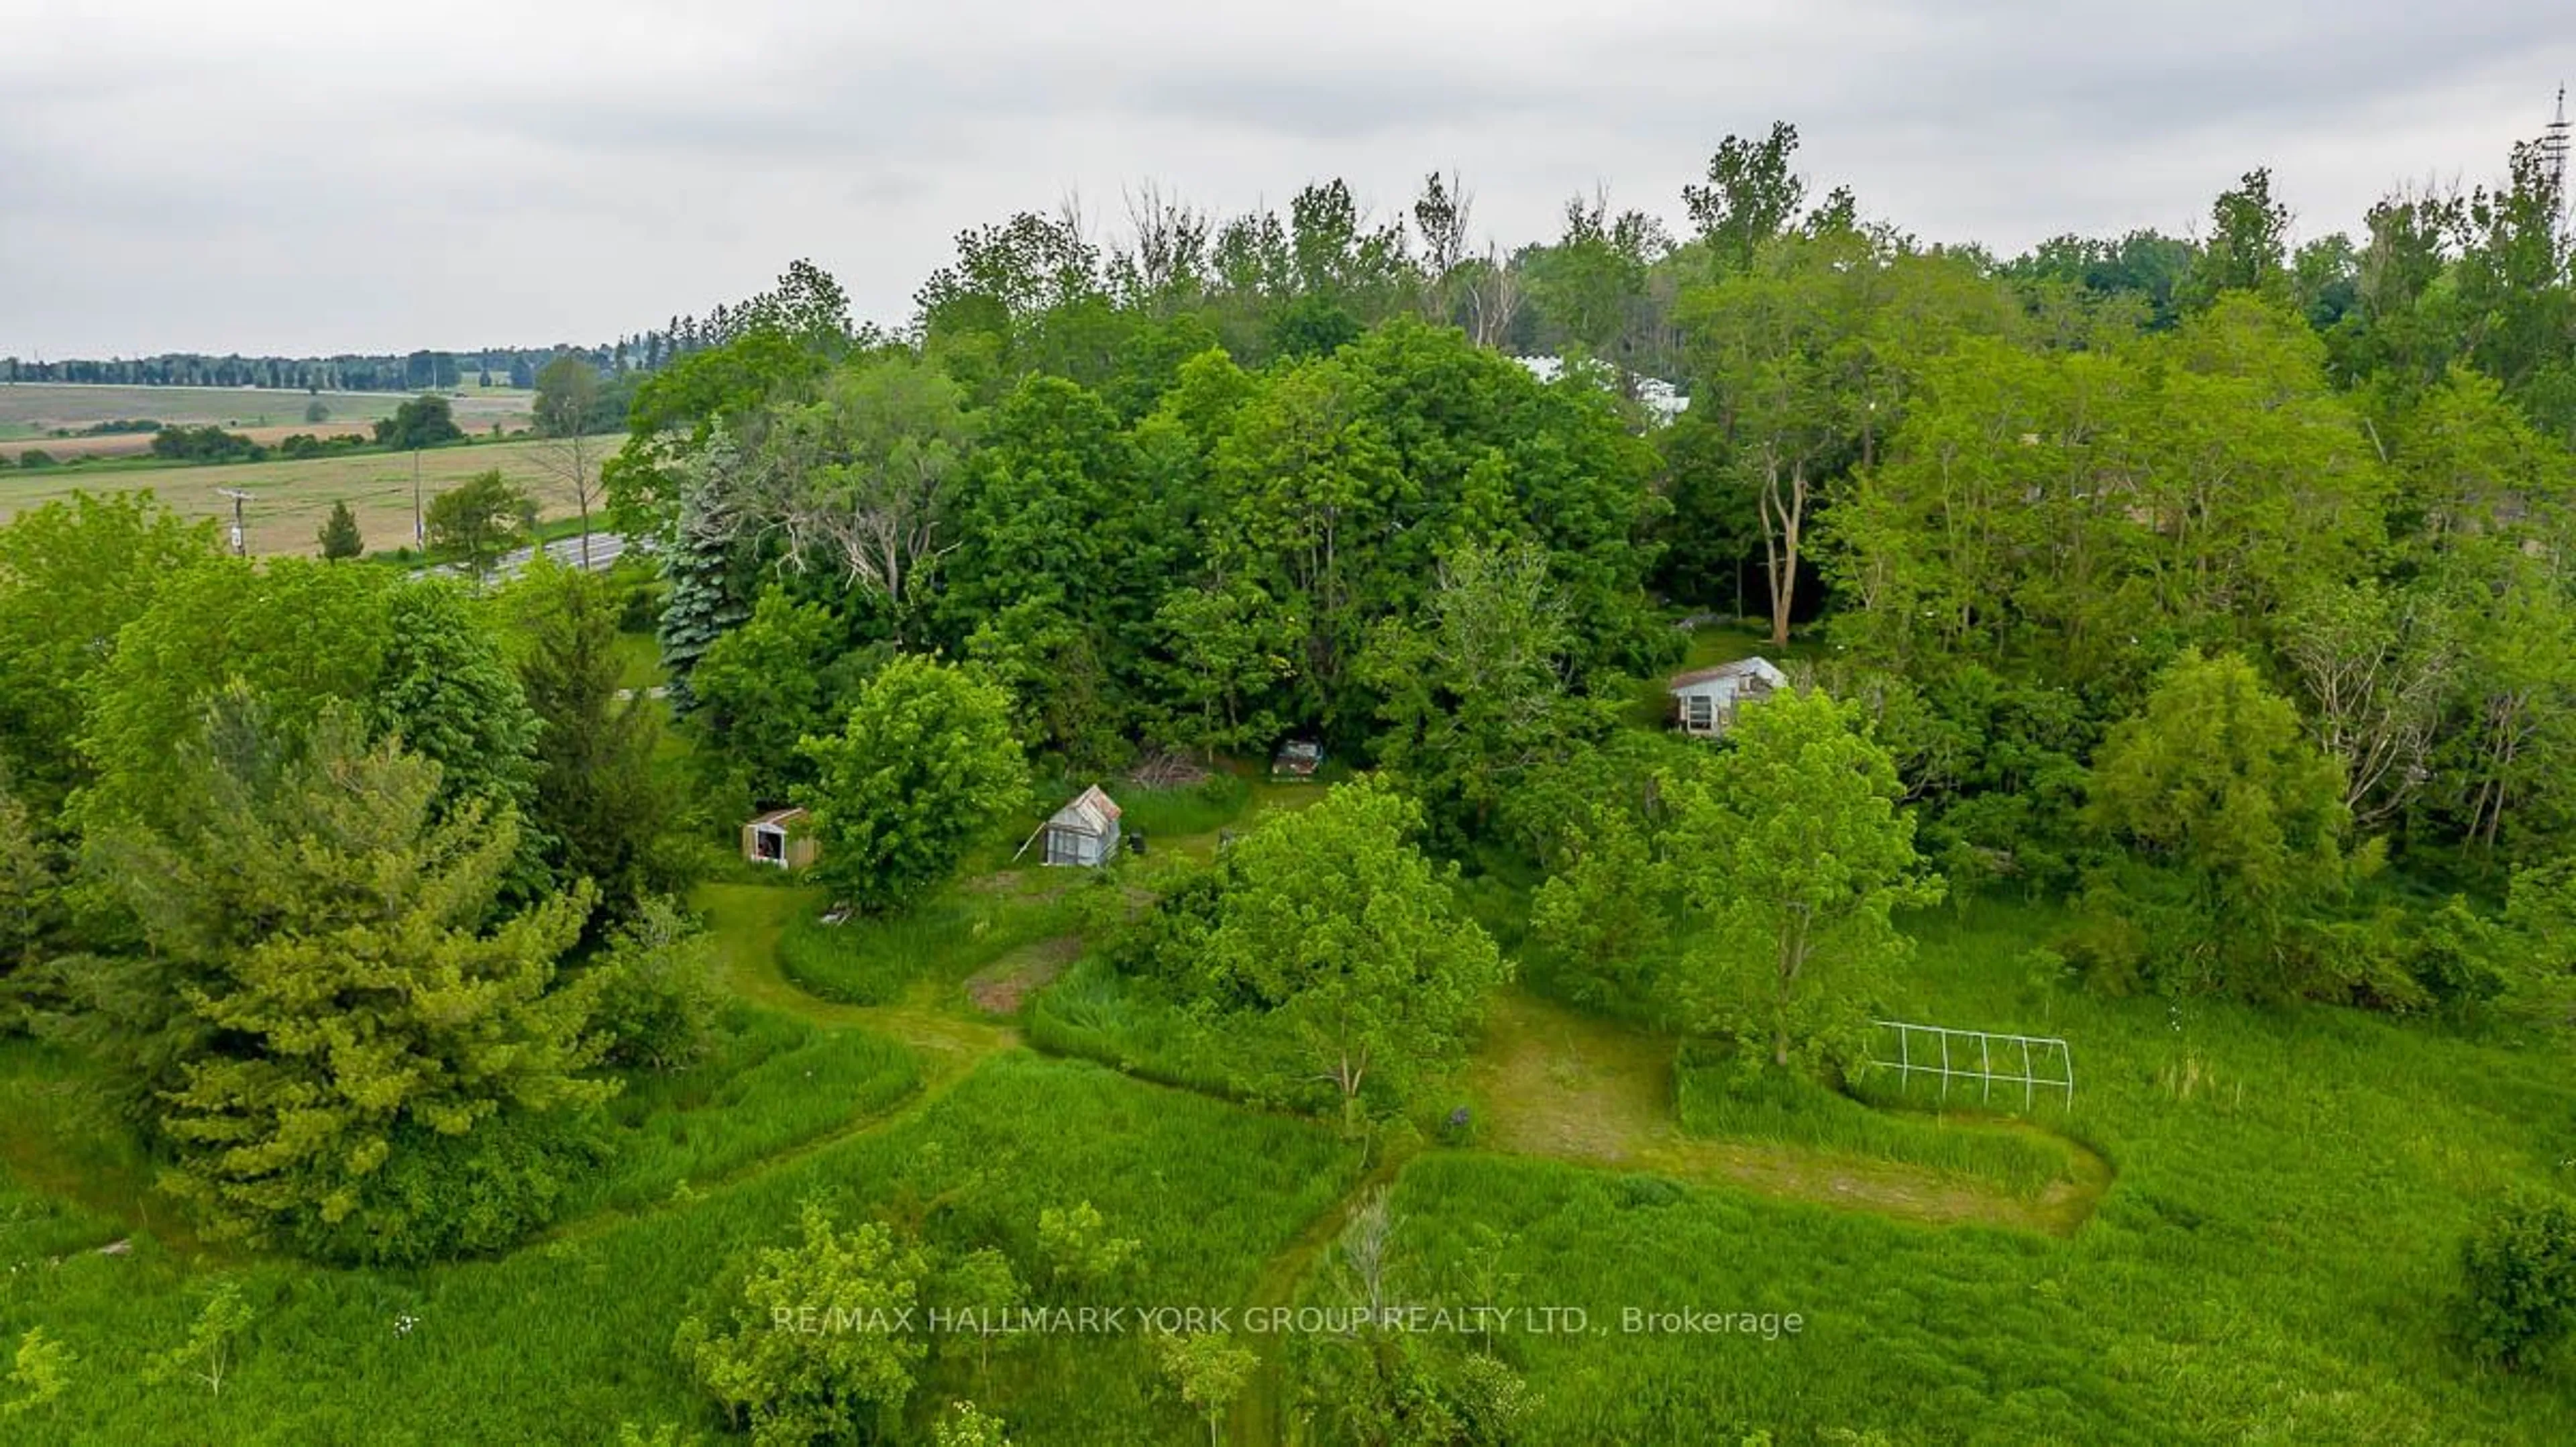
2553 154
419 533
241 540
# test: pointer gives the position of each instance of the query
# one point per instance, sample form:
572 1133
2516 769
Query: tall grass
2276 1259
562 1342
865 961
1093 1013
1201 808
1719 1097
771 1084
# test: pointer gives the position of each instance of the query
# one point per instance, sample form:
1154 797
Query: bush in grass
980 1286
966 1425
1379 1385
2521 1269
438 1196
802 1354
1077 1250
660 999
40 1373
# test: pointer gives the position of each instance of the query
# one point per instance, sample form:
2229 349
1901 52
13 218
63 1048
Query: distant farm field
31 411
289 500
136 444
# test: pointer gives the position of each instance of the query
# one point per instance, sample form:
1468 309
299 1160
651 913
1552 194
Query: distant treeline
407 372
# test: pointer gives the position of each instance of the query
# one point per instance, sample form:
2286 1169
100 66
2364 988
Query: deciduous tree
1795 852
924 765
72 575
1349 942
1208 1372
2235 828
810 1352
480 519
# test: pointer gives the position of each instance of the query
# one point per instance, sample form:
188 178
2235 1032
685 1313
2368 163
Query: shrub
2521 1269
441 1196
804 1355
1076 1248
660 1000
41 1373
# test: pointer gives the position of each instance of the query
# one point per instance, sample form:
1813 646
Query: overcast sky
273 176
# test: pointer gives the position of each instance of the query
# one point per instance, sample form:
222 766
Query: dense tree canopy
329 1004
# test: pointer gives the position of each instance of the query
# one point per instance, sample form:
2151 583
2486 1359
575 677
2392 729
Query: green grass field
2244 1227
2275 1261
290 500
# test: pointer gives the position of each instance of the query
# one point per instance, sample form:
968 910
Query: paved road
605 549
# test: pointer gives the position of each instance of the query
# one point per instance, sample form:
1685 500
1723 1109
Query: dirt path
1002 986
1551 1082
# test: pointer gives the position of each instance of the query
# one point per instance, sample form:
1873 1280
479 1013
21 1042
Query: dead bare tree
1493 293
1168 246
859 481
567 392
1441 217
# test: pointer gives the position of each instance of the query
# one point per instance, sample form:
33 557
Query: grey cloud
286 175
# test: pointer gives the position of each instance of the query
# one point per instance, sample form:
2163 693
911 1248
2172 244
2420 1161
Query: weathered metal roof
780 817
1298 756
1091 812
1760 668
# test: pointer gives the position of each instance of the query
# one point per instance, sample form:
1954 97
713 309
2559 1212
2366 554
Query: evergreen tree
340 1043
597 793
339 536
706 600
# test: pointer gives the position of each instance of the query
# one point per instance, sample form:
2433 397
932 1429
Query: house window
770 845
1700 710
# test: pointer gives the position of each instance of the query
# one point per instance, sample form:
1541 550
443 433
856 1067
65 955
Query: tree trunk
1783 516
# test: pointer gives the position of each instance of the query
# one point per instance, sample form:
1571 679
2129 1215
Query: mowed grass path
1558 1084
290 500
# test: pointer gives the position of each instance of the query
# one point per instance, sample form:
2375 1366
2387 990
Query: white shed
1705 699
1084 831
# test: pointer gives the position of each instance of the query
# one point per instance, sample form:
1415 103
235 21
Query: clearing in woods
1553 1082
